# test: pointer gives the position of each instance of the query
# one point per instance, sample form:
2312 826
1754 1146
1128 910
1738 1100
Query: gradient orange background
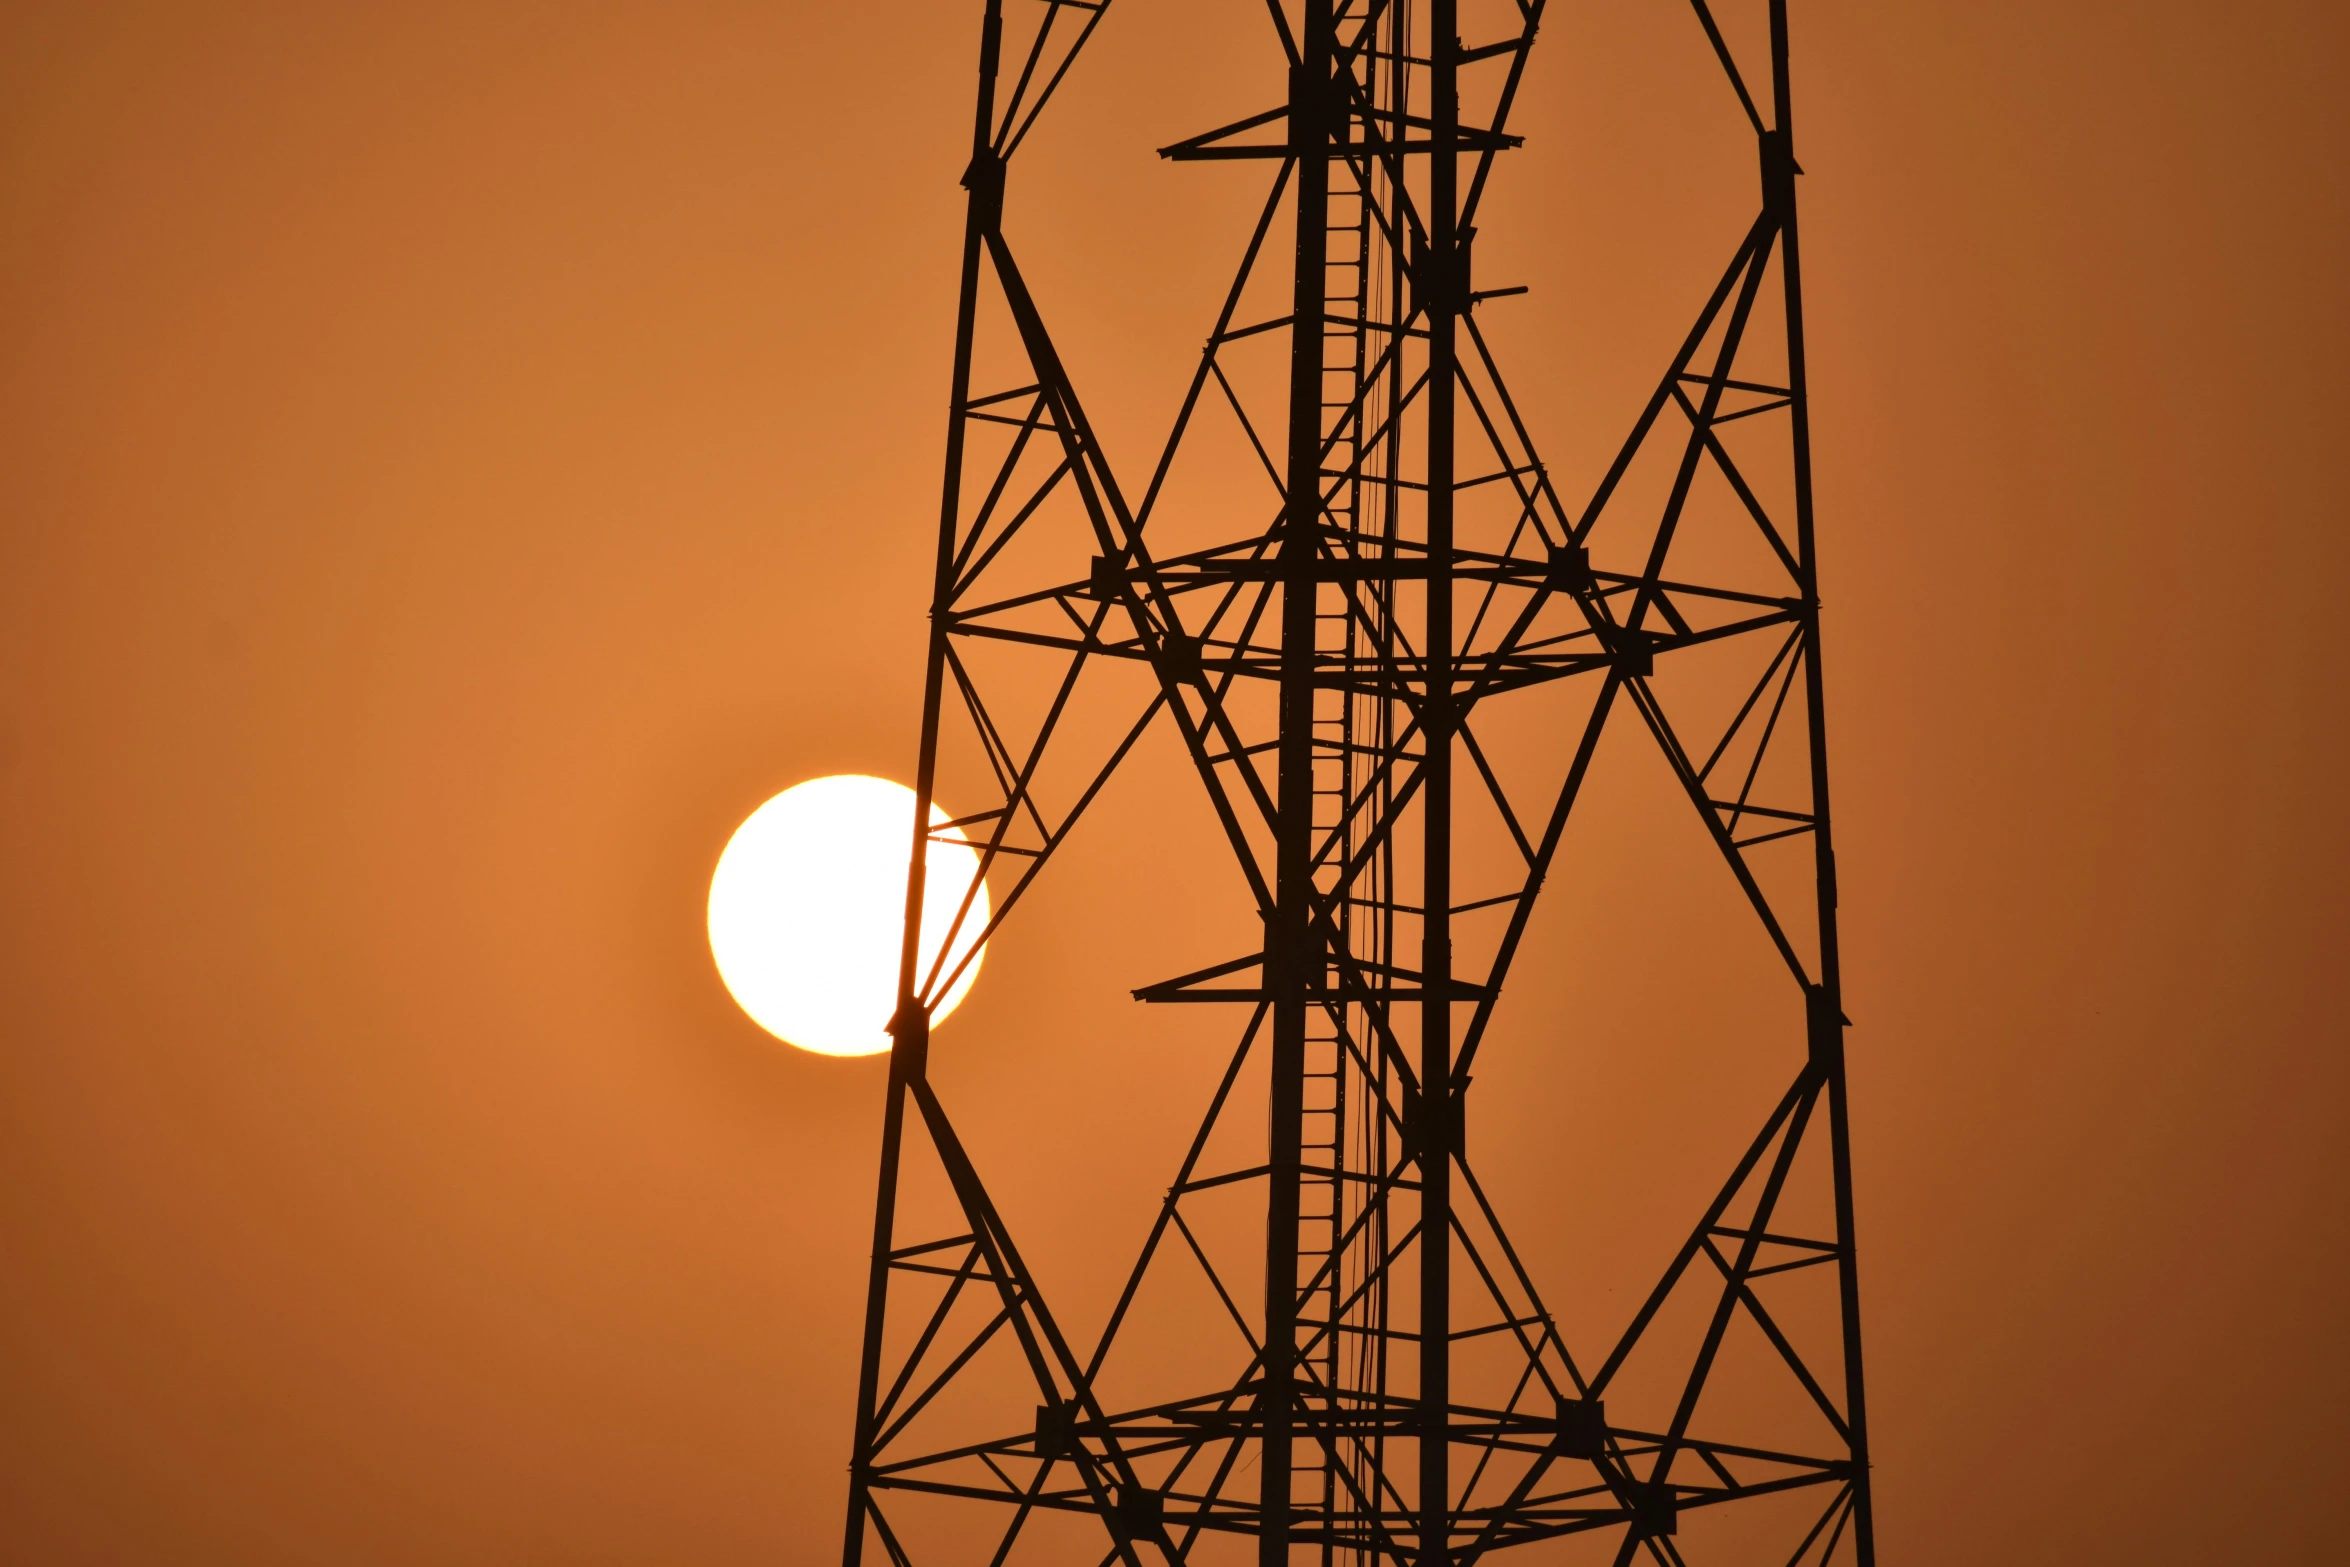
456 460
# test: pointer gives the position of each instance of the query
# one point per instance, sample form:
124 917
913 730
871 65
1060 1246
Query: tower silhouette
1362 1369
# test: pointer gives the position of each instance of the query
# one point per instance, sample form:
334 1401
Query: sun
807 912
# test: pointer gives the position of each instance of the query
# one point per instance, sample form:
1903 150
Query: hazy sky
456 460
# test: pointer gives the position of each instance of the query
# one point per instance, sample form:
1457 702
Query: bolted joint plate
1581 1429
984 179
1655 1508
1825 1023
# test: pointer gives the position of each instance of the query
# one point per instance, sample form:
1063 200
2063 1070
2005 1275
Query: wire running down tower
1388 1385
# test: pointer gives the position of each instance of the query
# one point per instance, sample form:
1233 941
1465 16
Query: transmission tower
1367 1372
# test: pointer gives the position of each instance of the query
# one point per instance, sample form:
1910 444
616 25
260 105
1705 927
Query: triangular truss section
1328 1348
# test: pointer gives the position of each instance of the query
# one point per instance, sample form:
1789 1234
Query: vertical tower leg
1291 959
910 1026
1442 288
1827 1015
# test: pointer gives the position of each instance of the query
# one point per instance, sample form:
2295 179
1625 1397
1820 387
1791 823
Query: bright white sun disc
808 908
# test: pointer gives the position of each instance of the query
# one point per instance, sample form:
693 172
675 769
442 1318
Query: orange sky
457 460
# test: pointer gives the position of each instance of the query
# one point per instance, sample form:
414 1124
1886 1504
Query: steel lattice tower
1396 1390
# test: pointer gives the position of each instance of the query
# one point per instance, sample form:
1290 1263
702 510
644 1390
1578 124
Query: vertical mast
1442 283
1826 1021
910 1025
1290 966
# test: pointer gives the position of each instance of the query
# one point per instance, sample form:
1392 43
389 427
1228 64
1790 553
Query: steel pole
910 1025
1443 287
1827 1009
1290 955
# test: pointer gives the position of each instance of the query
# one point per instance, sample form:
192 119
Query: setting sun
807 912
